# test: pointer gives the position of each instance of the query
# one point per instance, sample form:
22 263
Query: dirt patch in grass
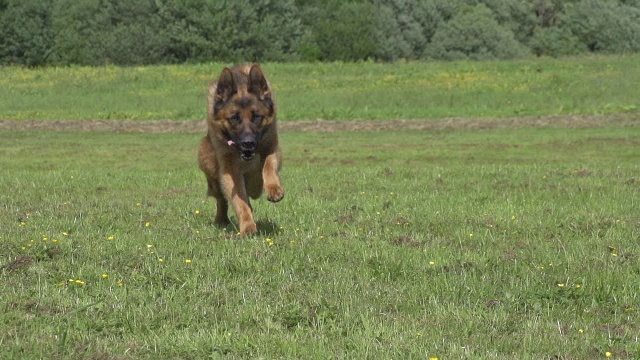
196 126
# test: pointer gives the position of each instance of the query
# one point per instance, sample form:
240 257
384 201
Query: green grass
496 244
592 85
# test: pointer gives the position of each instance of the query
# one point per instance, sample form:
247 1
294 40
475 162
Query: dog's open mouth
247 155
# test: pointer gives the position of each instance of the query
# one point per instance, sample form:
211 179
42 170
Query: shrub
604 26
556 41
343 31
403 28
27 38
474 34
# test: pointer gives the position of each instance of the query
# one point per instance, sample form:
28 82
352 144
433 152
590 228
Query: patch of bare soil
196 126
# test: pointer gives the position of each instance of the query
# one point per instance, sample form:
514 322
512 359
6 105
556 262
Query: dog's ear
258 85
226 86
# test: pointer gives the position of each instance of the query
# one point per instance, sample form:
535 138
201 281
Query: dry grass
195 126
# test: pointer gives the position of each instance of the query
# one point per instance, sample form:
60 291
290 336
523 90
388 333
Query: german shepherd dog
240 155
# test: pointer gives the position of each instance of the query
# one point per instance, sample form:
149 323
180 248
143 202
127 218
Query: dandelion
138 204
578 286
196 212
268 241
419 334
111 237
614 254
471 235
160 260
629 309
581 331
54 241
513 217
608 354
187 261
149 246
119 283
104 276
64 233
147 224
432 262
561 285
79 282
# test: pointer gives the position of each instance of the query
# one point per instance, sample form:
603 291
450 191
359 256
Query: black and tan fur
240 155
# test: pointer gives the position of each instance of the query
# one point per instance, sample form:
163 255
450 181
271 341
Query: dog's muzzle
247 150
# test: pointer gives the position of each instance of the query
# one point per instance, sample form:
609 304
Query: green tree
340 31
26 36
403 28
604 26
474 34
255 30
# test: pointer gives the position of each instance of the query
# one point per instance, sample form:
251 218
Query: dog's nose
248 145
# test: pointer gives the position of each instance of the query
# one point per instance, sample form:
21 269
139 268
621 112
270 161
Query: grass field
495 244
594 85
451 243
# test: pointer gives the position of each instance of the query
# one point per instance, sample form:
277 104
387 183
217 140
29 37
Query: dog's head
243 108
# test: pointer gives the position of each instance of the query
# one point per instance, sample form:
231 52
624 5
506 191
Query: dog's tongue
230 143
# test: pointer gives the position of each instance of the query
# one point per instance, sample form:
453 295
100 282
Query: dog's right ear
226 86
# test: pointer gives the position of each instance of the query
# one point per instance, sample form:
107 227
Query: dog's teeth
230 143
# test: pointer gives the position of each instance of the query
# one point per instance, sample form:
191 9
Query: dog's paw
275 193
248 229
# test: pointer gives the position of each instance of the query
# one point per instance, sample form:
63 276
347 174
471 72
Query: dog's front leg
272 164
234 190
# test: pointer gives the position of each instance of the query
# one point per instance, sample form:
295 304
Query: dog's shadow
265 228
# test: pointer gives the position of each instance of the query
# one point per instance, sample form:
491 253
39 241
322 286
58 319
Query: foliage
604 26
98 32
474 34
26 35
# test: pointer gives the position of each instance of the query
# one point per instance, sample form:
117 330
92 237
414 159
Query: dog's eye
234 119
257 118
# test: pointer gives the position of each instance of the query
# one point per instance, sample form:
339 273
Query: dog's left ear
258 85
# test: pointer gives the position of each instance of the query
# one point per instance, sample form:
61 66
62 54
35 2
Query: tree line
124 32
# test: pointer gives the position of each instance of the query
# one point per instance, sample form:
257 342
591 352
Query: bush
516 15
27 38
342 31
474 34
403 28
604 26
98 32
255 30
556 41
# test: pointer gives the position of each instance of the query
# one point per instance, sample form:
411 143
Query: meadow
451 243
334 91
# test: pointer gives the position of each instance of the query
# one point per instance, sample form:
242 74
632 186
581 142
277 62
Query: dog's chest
251 166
